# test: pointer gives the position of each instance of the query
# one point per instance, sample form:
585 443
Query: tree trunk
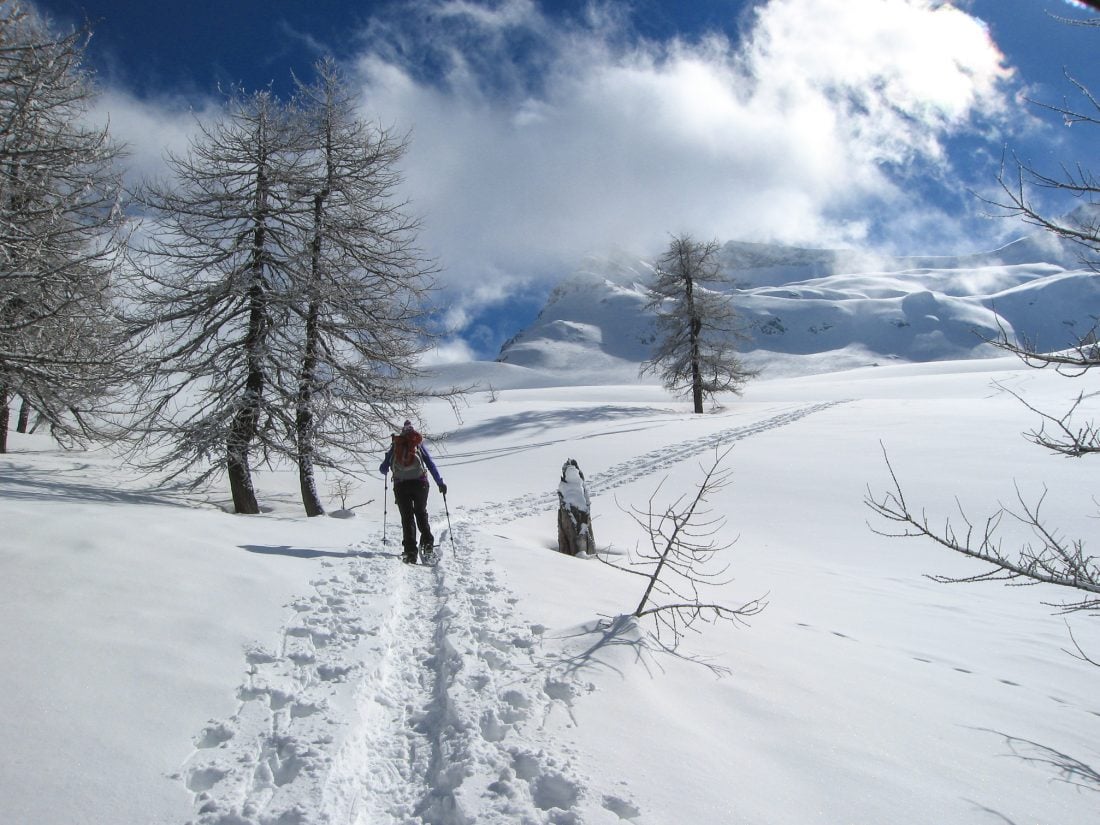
241 435
246 422
24 417
5 417
696 375
304 418
304 425
695 329
240 482
310 499
247 419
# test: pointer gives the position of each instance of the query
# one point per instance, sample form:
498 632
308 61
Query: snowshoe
429 554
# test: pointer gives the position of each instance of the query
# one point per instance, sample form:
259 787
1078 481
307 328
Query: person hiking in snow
411 463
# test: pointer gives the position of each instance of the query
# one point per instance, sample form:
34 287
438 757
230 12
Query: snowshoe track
415 695
645 464
284 746
408 721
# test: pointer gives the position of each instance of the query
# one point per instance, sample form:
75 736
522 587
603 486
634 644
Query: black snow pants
412 503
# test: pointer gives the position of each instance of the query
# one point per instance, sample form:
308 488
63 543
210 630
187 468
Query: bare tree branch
680 560
1069 439
1051 559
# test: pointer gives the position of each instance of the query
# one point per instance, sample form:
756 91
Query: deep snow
168 662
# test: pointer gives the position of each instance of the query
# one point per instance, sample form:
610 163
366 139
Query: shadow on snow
310 552
619 632
530 424
34 484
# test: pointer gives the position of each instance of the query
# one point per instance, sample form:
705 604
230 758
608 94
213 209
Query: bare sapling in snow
1050 557
574 512
682 559
342 489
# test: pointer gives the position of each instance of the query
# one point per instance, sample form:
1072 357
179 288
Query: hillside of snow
843 308
167 662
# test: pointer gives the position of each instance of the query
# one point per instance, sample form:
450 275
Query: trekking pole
450 532
385 502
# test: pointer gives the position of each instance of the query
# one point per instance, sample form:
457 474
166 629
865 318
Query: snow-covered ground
166 662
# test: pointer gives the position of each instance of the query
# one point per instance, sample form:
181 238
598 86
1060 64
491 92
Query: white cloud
450 351
536 141
151 128
800 133
501 16
898 73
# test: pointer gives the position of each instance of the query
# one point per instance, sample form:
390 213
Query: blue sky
546 131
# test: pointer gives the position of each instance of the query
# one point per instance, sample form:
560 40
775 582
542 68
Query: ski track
645 464
401 695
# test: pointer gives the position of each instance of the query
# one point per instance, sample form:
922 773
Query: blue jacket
384 467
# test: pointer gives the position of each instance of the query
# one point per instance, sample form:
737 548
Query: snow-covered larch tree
360 287
60 242
219 261
697 327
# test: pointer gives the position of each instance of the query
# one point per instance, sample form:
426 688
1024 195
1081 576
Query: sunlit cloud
535 141
149 130
449 351
603 138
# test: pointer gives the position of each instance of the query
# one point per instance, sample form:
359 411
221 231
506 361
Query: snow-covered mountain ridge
841 308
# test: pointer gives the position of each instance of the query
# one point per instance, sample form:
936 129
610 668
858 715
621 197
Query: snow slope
851 308
166 662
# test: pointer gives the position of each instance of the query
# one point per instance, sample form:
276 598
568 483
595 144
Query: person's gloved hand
443 489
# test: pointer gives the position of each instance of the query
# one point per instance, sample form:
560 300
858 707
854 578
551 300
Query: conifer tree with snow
697 327
360 287
221 255
60 241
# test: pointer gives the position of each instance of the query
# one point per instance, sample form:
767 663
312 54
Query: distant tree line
266 301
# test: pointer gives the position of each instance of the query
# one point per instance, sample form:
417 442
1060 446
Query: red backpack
407 463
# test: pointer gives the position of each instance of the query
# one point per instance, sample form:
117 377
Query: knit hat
407 427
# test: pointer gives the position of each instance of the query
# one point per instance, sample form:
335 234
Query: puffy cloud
149 129
449 351
535 143
537 140
897 74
